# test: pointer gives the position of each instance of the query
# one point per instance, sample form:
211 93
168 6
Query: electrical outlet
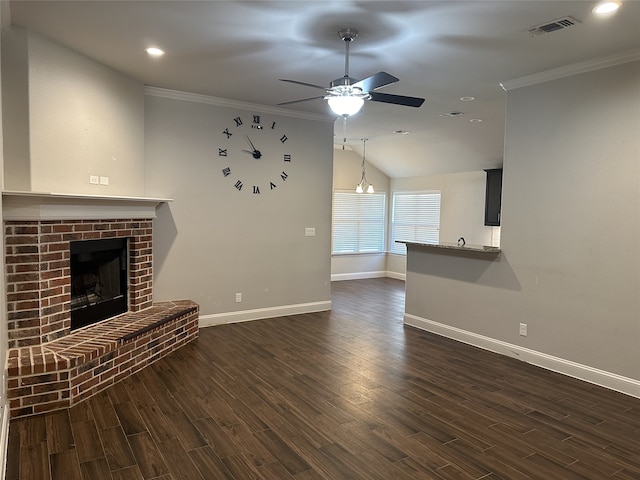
238 297
523 329
104 180
94 179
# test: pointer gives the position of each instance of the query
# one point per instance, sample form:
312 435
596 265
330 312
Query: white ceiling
440 50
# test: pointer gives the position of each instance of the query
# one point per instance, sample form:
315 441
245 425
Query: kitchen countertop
454 247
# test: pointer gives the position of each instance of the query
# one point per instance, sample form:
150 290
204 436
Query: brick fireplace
38 283
50 366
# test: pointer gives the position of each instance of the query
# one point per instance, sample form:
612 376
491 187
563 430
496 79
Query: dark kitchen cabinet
493 198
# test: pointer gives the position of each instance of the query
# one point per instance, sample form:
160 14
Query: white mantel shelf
455 248
69 206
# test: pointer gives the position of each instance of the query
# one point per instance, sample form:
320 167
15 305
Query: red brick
52 406
21 239
53 299
50 238
63 228
50 387
27 229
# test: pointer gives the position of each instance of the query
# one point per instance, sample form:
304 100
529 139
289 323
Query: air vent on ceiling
555 25
451 114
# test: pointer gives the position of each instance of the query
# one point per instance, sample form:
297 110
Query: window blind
358 222
415 218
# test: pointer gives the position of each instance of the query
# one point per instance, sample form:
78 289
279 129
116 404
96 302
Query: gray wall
210 243
4 420
69 117
462 212
570 237
347 169
15 109
461 209
214 241
461 204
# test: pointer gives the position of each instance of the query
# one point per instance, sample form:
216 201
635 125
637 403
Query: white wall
71 117
214 241
570 237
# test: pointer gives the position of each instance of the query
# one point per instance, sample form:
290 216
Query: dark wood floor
350 394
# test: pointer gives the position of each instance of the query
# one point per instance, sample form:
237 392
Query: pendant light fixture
364 184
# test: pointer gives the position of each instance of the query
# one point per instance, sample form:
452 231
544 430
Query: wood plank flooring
346 394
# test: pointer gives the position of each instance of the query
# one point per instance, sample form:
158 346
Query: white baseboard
605 379
262 313
4 439
337 277
397 276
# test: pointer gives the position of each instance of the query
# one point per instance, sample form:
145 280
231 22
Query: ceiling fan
346 95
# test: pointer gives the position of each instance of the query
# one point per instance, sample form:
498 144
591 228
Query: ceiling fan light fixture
346 95
345 105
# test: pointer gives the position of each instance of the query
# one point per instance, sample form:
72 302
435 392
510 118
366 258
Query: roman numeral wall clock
255 154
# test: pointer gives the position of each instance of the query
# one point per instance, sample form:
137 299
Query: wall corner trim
589 374
573 69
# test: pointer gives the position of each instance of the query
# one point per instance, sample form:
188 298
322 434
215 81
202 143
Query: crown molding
225 102
573 69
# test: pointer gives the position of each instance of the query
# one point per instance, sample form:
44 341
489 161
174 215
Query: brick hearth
65 371
51 367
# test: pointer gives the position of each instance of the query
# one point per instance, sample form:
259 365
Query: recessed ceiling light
608 6
402 132
467 99
475 120
155 52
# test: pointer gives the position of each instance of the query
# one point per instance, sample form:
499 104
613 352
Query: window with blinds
415 218
358 222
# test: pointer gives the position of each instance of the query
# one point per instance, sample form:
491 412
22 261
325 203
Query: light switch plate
310 232
523 329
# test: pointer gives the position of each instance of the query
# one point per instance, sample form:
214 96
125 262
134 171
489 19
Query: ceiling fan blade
375 81
396 99
301 100
304 83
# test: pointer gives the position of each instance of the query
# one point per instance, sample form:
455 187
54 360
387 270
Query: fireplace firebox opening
99 280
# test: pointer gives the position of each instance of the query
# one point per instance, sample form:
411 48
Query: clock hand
256 153
250 143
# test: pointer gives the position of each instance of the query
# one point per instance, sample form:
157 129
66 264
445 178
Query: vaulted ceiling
440 50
